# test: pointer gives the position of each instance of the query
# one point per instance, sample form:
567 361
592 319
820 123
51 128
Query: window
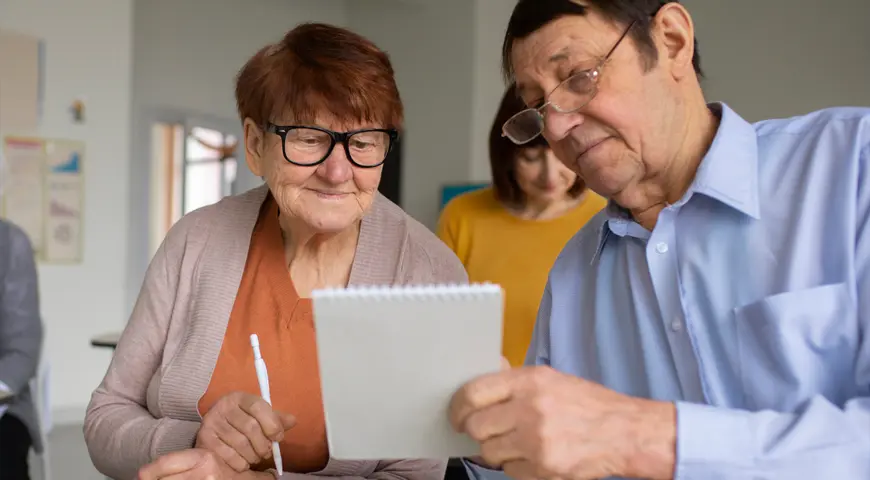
190 168
209 167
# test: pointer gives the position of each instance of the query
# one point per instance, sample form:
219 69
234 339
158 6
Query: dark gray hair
530 15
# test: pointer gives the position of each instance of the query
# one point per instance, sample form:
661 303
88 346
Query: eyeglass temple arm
613 48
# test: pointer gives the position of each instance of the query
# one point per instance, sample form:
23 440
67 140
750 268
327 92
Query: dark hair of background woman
504 154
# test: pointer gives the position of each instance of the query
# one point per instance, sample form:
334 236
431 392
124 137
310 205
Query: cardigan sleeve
428 260
121 434
386 470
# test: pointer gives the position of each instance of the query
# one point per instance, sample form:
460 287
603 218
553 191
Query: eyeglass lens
569 96
574 93
307 146
521 127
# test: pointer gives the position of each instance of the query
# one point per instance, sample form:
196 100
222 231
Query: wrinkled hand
240 429
505 365
537 423
192 464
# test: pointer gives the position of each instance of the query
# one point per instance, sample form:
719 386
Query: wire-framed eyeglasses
572 94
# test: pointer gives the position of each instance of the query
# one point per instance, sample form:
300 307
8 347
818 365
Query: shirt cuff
713 442
476 472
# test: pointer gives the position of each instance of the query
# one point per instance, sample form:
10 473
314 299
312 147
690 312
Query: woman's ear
254 147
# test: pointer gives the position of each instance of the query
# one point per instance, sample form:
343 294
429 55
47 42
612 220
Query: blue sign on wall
450 191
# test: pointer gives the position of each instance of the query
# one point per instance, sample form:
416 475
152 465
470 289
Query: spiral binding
393 293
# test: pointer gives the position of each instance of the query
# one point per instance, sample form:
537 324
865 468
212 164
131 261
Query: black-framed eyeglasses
572 94
307 146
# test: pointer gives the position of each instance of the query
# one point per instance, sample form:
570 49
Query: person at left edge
21 337
321 111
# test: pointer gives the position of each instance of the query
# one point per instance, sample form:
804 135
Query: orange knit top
267 304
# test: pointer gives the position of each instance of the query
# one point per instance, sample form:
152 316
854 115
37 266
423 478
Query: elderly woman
511 233
321 111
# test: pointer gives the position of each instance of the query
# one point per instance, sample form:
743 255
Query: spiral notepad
391 359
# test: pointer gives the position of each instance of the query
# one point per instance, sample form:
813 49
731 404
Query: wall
186 56
765 59
429 45
772 58
490 21
88 55
450 78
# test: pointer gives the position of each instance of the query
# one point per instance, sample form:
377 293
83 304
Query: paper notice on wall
21 59
64 193
43 193
24 187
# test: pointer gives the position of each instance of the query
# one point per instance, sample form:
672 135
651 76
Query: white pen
263 380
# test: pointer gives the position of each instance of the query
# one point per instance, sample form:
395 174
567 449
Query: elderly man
20 345
714 321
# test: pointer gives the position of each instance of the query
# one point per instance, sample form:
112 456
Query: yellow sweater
499 247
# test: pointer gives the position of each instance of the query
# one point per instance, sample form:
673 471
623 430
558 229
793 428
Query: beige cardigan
146 405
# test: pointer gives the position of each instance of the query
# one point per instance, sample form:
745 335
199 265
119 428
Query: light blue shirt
748 305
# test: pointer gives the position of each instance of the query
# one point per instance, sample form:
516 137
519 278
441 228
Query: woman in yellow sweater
510 233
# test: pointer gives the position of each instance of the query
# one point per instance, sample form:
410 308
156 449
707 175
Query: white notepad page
392 357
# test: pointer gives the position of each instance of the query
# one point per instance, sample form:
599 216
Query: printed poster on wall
43 193
23 187
64 202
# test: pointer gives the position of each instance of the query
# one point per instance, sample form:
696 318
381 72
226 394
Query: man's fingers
520 470
249 439
477 394
505 364
270 423
500 450
190 475
491 421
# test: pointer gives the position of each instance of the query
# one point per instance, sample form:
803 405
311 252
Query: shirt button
662 247
676 325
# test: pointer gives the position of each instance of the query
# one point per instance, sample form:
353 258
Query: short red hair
315 69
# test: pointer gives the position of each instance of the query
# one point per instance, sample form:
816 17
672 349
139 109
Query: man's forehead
563 42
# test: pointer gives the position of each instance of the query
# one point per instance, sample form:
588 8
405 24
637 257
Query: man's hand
537 423
505 366
194 464
240 429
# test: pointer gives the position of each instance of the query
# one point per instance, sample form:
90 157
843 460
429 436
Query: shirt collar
729 170
728 173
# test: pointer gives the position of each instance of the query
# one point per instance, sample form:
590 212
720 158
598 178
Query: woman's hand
240 429
192 464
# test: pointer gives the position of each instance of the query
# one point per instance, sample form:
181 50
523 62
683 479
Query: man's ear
674 34
255 144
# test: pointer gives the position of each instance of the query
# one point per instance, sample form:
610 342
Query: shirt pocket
795 345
